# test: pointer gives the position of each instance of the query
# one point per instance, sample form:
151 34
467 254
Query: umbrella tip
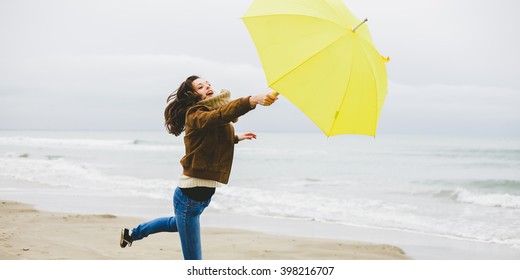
359 25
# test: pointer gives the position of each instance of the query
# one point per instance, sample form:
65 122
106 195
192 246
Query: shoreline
136 210
418 246
32 234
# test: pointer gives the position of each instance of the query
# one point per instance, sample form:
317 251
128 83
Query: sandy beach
27 233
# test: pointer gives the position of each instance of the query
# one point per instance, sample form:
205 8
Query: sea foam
81 176
487 199
89 144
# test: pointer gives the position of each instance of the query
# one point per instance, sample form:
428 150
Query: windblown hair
178 103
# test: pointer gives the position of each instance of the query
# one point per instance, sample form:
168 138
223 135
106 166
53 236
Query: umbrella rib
346 90
375 80
342 101
376 87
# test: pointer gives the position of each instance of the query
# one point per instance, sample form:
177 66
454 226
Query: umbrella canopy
322 59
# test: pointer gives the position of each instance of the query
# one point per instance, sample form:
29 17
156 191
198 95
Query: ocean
462 188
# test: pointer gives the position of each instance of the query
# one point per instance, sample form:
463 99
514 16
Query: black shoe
126 239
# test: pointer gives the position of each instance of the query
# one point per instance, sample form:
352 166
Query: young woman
209 142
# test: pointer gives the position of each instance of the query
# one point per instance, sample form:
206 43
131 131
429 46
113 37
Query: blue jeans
186 222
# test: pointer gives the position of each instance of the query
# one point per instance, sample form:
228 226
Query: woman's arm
200 117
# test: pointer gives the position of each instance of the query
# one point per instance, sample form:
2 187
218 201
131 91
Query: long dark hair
178 103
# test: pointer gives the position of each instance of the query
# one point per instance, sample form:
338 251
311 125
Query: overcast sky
111 64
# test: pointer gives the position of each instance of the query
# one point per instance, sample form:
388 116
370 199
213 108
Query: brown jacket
210 138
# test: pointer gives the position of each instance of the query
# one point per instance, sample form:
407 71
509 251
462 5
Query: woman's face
202 88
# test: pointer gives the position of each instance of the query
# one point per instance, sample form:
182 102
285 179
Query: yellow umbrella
322 59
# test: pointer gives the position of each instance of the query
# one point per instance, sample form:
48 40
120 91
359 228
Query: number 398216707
301 270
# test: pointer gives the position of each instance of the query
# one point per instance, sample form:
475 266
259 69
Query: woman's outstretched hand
264 99
246 136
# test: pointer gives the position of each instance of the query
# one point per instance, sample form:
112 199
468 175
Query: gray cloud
111 64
